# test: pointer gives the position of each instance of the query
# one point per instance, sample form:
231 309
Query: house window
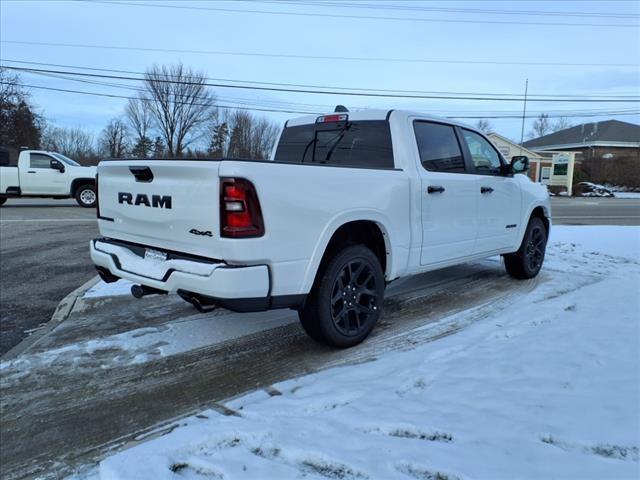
560 169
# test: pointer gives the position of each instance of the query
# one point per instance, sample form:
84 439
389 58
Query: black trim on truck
243 305
139 250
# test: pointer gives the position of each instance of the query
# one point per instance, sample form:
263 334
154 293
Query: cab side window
439 148
38 160
484 156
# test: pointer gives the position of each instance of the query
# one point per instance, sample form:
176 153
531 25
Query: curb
64 308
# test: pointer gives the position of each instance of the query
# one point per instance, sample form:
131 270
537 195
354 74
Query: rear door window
351 144
439 148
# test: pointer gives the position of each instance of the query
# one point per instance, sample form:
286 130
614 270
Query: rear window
354 144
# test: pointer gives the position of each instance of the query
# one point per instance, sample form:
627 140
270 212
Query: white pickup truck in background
350 202
37 173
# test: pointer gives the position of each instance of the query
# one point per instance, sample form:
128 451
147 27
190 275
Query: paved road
44 253
595 211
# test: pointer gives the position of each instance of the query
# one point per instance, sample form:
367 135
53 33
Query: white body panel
41 181
303 205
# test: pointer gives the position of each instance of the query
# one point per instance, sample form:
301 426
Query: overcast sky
613 52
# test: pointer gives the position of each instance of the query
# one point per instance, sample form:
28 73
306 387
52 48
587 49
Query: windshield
66 160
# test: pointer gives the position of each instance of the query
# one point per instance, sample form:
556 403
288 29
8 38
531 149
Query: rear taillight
97 199
240 215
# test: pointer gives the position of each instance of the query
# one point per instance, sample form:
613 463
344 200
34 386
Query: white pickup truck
350 202
37 173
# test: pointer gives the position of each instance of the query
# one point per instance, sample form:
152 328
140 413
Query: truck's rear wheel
3 199
346 302
527 261
86 196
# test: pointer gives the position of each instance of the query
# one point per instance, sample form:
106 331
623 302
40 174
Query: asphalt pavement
595 211
44 252
44 255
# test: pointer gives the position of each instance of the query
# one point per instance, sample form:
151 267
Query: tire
346 301
3 200
527 261
86 196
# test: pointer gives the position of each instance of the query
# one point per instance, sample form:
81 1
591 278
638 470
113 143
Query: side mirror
57 165
519 164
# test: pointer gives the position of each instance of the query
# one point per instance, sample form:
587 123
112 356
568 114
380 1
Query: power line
253 82
318 57
216 105
568 115
329 92
380 6
359 17
236 100
277 104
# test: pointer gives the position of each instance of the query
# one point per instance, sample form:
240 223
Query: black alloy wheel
534 253
354 298
346 300
528 260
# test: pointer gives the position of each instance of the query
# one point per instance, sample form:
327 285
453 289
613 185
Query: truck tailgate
167 204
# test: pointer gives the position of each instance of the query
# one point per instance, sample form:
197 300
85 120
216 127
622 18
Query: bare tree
114 139
139 118
265 134
179 103
484 125
561 123
72 142
541 126
10 91
240 138
250 136
20 125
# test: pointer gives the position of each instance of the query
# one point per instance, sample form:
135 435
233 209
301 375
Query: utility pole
524 112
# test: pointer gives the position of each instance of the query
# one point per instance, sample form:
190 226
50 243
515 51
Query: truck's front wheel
3 199
86 196
346 301
527 261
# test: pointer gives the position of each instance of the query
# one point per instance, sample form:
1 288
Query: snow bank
547 389
103 289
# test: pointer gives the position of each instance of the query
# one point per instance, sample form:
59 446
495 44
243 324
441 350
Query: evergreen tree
158 148
219 140
143 148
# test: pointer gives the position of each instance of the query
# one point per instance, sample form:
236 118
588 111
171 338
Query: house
539 165
610 150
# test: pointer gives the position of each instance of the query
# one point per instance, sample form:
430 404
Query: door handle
486 189
31 171
432 189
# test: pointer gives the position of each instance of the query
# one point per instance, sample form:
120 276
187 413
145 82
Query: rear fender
330 229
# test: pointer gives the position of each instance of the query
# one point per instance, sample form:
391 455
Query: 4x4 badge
206 233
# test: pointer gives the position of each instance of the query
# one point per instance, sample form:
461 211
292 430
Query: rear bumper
237 288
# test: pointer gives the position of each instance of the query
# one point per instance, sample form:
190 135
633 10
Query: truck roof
376 114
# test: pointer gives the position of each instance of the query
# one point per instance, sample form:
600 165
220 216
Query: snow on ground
103 289
549 388
627 194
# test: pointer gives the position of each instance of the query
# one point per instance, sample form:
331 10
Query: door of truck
38 178
448 195
498 196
